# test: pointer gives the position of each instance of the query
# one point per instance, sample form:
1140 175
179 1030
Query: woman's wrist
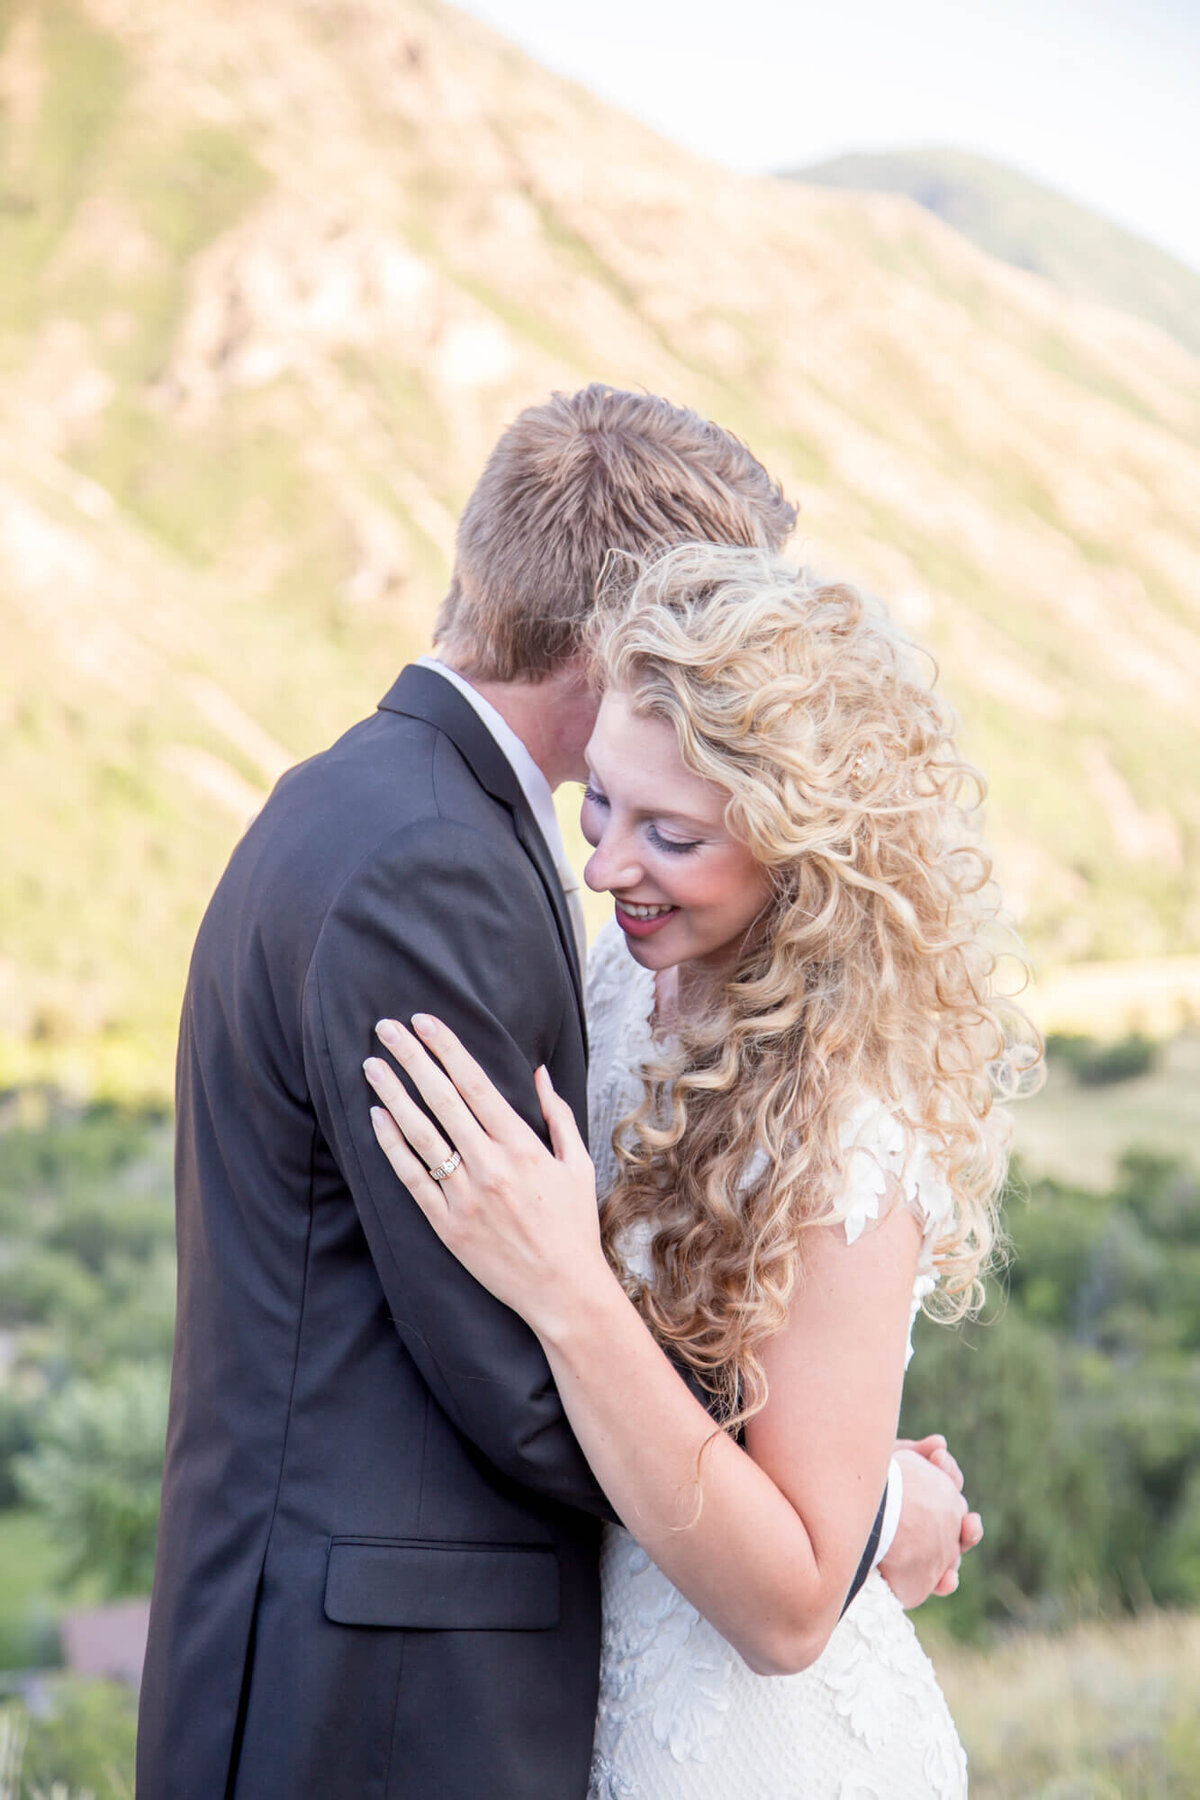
572 1315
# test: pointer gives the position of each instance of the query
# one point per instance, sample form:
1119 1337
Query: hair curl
870 971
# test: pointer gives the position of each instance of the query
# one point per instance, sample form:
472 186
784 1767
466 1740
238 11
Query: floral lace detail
880 1156
661 1668
681 1716
883 1686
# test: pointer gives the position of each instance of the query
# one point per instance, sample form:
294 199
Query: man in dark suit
377 1569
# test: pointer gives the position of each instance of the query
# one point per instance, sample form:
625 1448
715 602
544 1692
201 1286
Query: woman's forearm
713 1521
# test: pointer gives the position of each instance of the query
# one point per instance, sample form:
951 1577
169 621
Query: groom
377 1570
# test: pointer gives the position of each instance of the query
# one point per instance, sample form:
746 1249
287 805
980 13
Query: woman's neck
682 989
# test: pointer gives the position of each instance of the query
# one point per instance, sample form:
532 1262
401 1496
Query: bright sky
1097 98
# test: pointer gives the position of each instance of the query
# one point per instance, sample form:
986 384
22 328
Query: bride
794 1059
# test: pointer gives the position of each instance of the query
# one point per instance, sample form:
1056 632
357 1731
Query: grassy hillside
274 278
1025 223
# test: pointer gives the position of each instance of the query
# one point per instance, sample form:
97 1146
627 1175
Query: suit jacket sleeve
424 926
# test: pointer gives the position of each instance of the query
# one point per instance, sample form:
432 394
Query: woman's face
685 889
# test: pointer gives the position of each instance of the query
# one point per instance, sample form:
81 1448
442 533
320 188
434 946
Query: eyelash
656 838
675 849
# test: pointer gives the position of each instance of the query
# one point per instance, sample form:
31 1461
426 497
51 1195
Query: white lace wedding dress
680 1715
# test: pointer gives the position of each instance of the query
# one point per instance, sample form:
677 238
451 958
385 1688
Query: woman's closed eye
676 846
658 838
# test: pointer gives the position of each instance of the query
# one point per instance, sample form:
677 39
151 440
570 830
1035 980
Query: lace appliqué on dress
681 1717
881 1157
883 1686
665 1670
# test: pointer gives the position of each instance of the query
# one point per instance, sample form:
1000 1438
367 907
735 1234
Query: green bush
17 1416
1096 1064
96 1473
86 1236
997 1391
46 1287
1162 1192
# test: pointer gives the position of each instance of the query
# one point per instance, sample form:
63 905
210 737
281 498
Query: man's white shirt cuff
891 1512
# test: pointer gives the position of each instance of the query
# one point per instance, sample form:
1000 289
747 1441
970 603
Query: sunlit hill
275 275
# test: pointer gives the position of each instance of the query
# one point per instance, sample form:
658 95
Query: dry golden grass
1102 1712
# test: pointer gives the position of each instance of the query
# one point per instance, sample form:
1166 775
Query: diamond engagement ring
447 1168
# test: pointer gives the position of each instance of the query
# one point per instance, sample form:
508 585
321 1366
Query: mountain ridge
1027 222
271 294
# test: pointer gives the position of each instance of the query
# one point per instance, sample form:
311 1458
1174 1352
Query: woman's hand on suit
522 1220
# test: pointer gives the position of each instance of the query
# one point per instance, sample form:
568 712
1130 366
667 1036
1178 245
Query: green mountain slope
1023 222
274 277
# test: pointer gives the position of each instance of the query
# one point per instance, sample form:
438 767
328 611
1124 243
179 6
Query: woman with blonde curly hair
796 1053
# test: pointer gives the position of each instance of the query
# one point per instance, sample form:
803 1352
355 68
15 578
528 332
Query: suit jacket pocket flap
423 1586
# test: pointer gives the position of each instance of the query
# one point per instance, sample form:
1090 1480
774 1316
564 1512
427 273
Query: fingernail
373 1068
377 1115
424 1023
388 1032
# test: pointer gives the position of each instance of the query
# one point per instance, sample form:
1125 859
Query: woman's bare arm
764 1544
771 1556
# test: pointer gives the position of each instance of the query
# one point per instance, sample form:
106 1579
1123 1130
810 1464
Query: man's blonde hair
569 481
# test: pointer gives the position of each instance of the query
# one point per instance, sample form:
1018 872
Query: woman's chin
651 952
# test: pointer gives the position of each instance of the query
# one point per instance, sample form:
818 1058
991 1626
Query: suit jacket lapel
423 694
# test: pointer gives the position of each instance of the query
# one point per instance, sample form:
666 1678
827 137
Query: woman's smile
641 921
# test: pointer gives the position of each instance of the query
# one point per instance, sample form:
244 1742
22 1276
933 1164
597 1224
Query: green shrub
1163 1192
1096 1064
17 1414
96 1474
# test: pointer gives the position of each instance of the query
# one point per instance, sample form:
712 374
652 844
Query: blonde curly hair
870 971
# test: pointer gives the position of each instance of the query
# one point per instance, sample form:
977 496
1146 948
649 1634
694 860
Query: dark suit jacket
377 1568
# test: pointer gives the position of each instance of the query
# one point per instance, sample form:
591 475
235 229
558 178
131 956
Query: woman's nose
613 864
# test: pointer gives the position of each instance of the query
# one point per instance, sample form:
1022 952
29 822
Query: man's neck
546 715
